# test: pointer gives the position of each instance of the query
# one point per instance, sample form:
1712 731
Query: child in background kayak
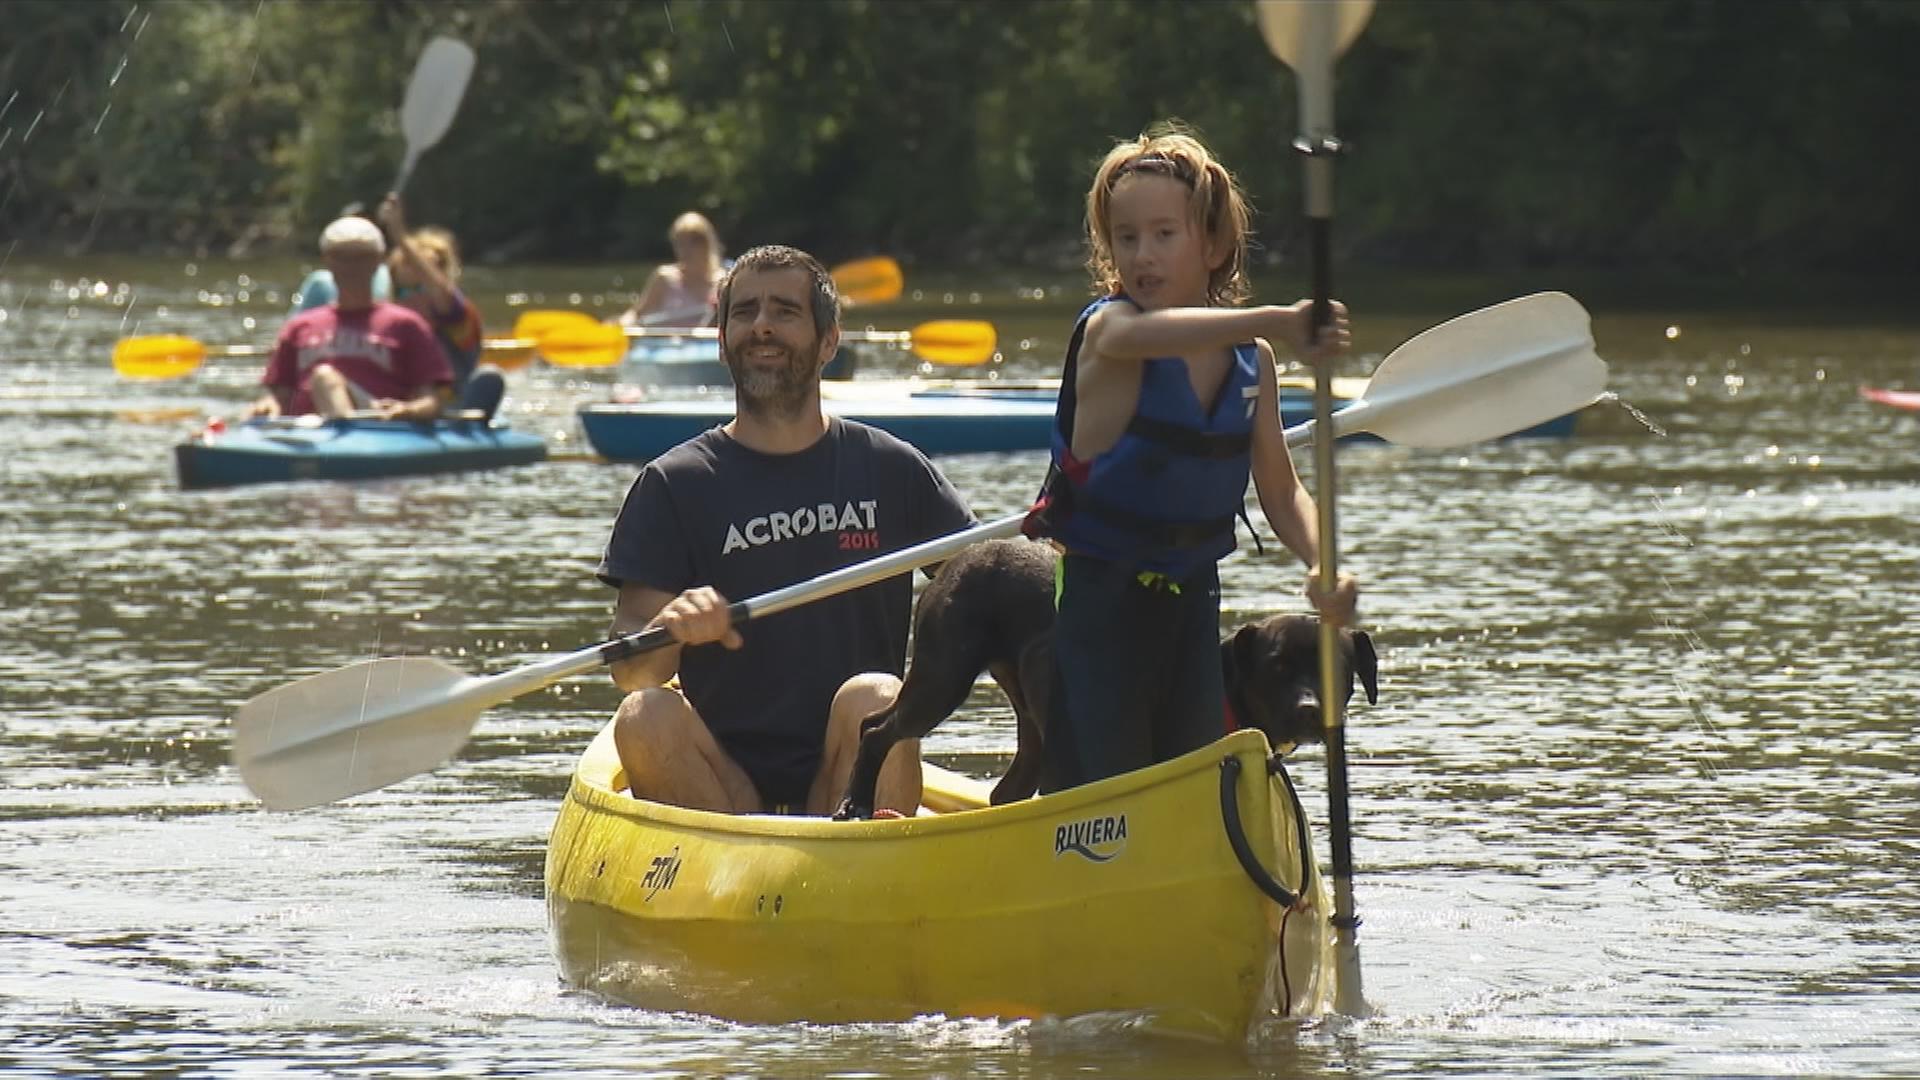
1169 401
425 264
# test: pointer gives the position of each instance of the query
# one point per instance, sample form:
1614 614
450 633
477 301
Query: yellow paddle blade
954 341
538 324
869 281
508 354
594 345
164 356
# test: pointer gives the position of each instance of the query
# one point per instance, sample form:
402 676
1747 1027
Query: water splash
1645 421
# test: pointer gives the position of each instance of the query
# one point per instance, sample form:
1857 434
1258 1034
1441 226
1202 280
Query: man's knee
863 695
651 717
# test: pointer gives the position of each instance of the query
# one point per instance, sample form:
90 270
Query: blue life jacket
1164 497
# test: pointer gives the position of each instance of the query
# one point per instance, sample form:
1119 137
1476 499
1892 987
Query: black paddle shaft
627 646
1320 226
833 583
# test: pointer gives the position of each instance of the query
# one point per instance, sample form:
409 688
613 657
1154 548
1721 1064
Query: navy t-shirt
713 512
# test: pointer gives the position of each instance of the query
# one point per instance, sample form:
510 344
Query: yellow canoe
1121 896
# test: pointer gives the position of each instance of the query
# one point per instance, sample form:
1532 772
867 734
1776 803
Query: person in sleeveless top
766 717
1169 401
681 293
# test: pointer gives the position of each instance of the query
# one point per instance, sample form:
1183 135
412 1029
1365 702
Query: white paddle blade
1283 23
433 96
351 730
1528 361
1484 375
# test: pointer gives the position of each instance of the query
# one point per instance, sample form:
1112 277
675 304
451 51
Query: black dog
990 609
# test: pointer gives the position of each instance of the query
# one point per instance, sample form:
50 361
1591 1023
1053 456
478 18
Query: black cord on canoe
1250 863
1237 836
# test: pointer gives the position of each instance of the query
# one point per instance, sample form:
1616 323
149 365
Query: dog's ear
1366 664
1236 653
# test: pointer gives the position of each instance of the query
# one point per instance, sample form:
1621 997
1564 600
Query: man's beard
773 393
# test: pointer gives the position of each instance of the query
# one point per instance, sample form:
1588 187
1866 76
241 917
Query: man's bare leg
669 756
899 786
331 392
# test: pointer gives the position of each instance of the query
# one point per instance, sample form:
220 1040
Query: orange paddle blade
594 345
538 324
165 356
955 341
869 281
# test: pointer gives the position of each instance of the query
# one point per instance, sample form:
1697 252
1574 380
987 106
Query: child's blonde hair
1216 206
437 246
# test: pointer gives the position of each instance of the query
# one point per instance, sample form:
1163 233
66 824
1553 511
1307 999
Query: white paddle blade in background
1484 375
302 744
433 98
1284 25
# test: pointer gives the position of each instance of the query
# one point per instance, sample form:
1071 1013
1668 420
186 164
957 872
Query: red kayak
1899 399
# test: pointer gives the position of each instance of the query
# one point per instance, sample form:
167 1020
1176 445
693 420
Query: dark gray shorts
1136 671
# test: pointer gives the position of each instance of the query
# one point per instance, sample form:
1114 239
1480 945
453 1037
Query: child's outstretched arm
1286 502
1297 332
1124 332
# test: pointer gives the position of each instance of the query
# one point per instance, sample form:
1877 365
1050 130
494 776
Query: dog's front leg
878 733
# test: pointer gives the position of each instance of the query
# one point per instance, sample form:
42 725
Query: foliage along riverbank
1715 135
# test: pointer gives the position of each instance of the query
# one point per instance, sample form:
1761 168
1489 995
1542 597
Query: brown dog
990 609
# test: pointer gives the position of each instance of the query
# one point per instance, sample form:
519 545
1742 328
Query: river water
1639 797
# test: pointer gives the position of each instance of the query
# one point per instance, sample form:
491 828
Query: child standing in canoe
1169 401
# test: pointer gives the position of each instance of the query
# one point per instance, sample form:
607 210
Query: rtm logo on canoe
661 874
1082 837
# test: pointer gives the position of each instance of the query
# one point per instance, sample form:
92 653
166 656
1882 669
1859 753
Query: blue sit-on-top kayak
357 449
690 361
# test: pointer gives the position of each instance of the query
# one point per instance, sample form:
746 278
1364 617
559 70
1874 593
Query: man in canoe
765 718
355 354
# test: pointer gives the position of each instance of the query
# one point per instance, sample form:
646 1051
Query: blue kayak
939 417
672 361
265 451
936 423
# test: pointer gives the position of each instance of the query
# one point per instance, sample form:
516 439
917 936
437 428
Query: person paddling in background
355 354
425 264
766 717
1169 401
681 293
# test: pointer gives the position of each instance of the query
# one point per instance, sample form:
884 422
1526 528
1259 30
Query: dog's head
1272 670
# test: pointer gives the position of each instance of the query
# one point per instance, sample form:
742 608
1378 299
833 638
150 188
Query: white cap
353 232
